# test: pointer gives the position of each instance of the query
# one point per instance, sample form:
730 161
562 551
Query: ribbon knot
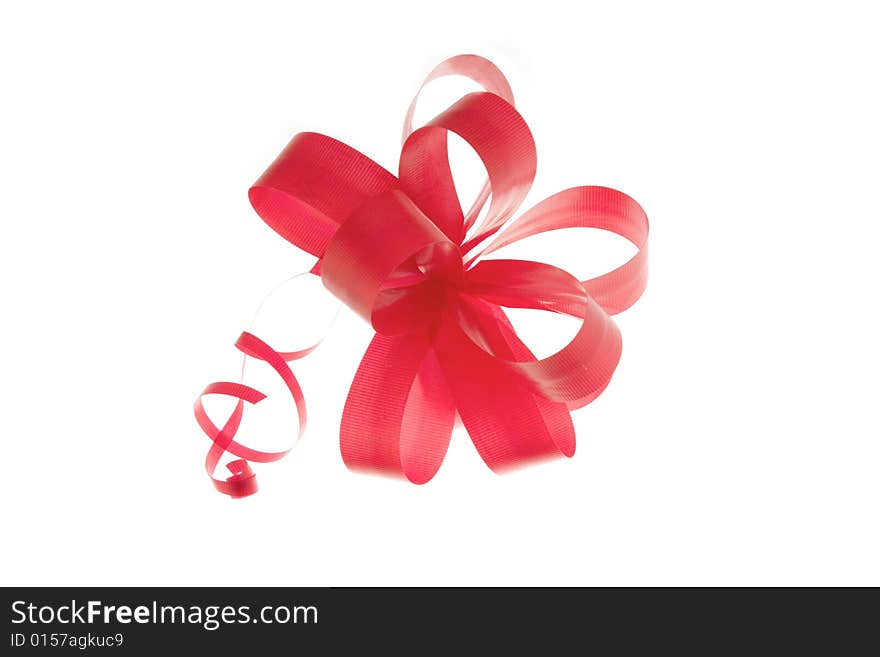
390 263
401 252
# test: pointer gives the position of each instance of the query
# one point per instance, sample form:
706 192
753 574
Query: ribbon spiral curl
401 252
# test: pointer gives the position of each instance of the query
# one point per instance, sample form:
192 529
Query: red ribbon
401 253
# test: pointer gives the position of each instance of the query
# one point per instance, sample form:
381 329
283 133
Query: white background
738 441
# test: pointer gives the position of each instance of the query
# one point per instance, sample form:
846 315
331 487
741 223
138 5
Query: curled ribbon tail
242 482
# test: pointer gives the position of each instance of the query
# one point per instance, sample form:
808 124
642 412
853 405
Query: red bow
401 253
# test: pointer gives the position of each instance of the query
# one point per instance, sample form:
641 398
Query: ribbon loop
312 186
581 369
509 424
503 142
592 207
487 75
398 420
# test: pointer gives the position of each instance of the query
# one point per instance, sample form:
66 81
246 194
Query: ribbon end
242 482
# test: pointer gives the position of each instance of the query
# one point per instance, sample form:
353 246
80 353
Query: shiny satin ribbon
402 253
